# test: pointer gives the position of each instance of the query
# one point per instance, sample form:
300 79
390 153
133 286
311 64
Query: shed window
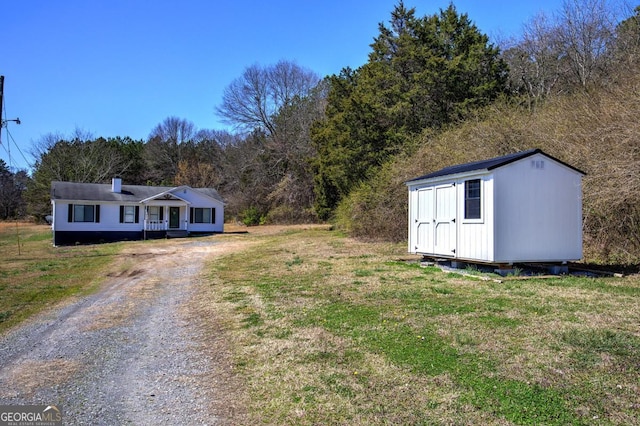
472 199
202 215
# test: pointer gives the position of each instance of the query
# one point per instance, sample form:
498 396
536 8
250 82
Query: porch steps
177 234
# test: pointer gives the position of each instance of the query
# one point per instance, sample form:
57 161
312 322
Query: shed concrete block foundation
558 269
503 272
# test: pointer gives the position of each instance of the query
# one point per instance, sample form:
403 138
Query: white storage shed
522 207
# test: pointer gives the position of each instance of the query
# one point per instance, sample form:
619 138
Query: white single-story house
519 208
92 212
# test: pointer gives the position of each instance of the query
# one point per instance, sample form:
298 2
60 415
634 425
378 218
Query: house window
129 214
472 199
202 215
84 213
155 214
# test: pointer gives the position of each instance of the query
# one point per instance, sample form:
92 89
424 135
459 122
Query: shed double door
436 220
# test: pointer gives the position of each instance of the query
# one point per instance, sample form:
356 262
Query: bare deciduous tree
535 62
585 29
278 105
174 130
252 101
571 49
197 174
165 147
79 158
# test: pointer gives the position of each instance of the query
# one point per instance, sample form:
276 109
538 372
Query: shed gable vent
537 164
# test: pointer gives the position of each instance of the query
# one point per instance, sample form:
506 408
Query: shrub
252 217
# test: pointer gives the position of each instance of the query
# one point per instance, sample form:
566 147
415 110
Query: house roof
128 193
490 164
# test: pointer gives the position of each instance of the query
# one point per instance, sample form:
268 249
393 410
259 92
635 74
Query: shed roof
128 193
490 164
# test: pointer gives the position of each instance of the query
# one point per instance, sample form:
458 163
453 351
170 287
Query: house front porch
166 220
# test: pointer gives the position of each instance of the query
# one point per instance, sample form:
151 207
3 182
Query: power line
27 162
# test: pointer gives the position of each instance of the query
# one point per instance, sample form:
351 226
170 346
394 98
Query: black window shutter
191 215
70 217
161 213
121 214
213 215
137 214
98 213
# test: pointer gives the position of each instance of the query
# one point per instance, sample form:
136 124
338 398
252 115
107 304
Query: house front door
174 217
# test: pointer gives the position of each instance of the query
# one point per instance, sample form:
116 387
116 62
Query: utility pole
3 122
1 104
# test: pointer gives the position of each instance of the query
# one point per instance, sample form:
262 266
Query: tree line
305 148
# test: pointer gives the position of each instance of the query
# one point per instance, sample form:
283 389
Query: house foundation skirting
66 238
69 238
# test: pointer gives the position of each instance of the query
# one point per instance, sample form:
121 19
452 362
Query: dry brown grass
35 374
302 308
595 132
34 275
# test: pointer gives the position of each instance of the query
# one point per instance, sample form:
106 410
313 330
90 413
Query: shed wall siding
538 212
411 216
475 237
531 212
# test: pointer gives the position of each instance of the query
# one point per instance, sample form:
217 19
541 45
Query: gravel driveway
136 352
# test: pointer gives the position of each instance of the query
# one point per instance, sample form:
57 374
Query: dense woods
423 73
435 91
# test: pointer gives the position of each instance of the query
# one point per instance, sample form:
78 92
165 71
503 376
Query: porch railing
162 225
155 225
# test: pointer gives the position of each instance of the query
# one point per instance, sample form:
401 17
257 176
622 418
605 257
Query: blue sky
120 67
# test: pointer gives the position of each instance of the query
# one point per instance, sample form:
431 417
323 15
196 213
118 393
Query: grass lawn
327 330
34 274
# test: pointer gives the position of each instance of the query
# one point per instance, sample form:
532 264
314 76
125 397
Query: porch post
145 222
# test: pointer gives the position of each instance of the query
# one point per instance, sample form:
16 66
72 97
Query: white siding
538 211
445 226
199 200
109 218
475 237
110 214
531 211
411 215
425 220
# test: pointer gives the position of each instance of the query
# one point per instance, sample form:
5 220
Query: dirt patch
34 374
